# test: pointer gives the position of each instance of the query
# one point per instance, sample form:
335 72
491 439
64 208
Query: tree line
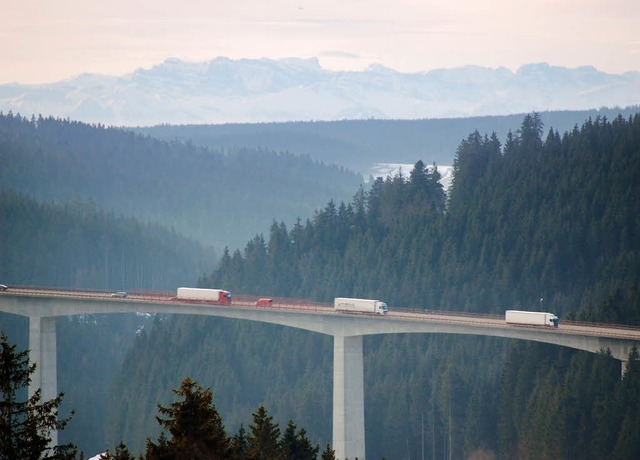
213 196
360 144
192 426
79 245
554 218
535 222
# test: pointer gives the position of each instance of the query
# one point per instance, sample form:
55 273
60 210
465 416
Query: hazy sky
43 41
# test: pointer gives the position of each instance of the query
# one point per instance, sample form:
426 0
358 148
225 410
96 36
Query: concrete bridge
43 306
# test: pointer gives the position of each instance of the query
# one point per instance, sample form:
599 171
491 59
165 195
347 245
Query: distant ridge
223 90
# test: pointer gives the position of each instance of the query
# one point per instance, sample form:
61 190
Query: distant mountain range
261 90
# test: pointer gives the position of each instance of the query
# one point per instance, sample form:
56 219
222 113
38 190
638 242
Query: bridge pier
42 352
348 398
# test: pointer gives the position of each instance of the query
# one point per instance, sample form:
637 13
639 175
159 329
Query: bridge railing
284 303
600 325
62 292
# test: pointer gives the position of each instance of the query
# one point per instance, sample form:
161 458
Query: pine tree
240 445
194 424
263 440
296 446
328 453
26 425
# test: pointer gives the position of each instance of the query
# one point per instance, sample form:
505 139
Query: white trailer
204 295
531 318
360 305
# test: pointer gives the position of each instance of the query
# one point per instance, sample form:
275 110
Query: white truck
360 306
199 295
531 318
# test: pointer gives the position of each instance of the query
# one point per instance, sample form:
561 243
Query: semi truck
360 306
531 318
199 295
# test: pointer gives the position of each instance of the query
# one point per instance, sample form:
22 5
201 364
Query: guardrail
301 304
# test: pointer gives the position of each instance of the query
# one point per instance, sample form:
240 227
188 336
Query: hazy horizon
56 41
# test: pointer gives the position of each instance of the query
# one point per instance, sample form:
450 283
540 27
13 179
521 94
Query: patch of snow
385 170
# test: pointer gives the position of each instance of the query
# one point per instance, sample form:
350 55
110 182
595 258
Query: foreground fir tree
296 446
328 453
26 424
263 439
194 425
240 445
193 430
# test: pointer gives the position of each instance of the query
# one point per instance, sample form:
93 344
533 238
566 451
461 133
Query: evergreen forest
361 144
77 245
217 197
192 426
535 219
87 206
539 221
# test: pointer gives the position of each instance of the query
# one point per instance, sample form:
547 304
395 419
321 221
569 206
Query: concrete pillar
42 352
348 398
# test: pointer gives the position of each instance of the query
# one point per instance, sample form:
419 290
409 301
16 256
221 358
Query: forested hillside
361 144
86 206
218 198
533 221
78 246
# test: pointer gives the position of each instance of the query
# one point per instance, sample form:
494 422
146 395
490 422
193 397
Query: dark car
120 294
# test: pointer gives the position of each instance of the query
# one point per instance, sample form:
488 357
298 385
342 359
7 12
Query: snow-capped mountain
225 91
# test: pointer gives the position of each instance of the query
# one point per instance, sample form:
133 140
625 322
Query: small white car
119 294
